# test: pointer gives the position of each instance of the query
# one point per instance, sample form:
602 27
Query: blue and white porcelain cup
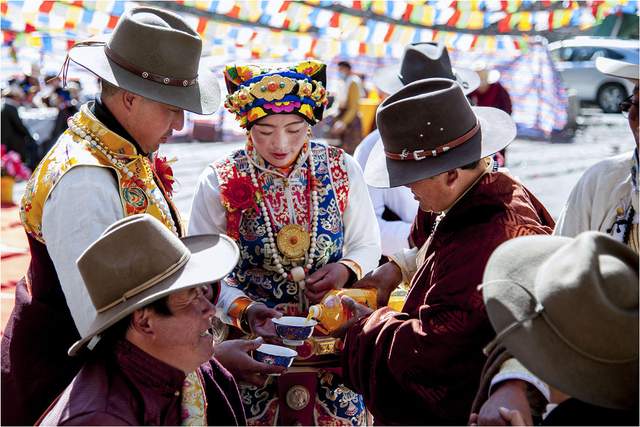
293 329
275 355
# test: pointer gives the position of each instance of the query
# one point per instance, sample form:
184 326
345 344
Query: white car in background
575 59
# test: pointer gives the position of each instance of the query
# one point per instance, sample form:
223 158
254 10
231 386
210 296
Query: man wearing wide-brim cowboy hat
102 169
604 199
152 326
567 308
606 196
429 356
422 60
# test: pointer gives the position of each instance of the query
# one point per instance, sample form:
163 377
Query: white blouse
361 234
394 234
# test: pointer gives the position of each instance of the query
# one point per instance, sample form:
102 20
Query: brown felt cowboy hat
137 261
428 127
156 54
567 309
425 60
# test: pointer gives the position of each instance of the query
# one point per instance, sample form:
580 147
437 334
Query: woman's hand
331 276
259 318
384 279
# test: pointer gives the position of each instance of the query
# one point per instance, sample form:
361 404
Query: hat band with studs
423 154
148 75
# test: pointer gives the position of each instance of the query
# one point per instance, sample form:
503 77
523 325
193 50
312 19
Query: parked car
575 59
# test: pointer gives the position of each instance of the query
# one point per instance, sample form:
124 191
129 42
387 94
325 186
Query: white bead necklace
95 143
269 240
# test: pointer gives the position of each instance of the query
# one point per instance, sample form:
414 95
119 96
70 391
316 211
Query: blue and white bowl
275 355
294 330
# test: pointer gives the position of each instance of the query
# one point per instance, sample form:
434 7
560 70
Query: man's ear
128 99
143 322
452 177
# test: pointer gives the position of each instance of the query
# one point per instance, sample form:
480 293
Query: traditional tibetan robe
312 391
123 385
422 366
605 199
35 364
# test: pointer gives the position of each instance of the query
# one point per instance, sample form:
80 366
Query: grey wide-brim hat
155 54
617 68
428 117
567 309
421 61
137 261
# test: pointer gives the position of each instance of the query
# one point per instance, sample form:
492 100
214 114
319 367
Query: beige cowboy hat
156 54
617 68
137 261
428 127
420 61
567 309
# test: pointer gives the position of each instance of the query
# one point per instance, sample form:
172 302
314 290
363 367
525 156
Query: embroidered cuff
353 266
237 310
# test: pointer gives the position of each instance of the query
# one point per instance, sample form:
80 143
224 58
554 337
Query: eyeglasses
626 105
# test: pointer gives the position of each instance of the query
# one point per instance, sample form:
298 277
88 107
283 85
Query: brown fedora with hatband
428 127
425 60
155 54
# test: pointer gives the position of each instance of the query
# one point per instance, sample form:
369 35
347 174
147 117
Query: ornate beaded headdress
256 92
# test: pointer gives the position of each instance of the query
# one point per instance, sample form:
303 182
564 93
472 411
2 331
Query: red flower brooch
163 170
238 194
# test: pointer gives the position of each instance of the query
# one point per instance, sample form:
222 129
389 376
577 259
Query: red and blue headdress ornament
256 92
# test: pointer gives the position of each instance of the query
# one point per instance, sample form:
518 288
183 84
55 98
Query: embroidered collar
106 117
110 139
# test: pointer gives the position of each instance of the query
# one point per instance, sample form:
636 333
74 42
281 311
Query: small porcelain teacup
275 355
294 330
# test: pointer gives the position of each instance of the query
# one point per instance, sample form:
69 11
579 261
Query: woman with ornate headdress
301 215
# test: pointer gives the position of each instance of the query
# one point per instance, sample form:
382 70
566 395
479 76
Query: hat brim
535 344
387 80
616 68
497 130
212 258
201 98
493 76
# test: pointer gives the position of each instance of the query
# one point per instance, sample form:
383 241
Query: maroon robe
422 366
35 364
123 385
495 96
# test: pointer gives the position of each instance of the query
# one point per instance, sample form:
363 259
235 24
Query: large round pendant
293 241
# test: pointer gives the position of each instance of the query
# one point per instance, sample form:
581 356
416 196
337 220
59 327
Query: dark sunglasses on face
626 105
